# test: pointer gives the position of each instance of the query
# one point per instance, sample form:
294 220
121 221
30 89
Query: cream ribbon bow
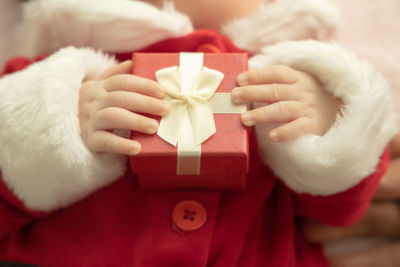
189 88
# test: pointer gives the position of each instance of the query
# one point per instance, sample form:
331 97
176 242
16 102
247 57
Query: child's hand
380 223
112 102
295 98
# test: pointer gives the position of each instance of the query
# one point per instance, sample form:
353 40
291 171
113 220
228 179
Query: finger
269 93
382 219
394 146
382 256
271 74
315 231
132 83
389 187
291 130
137 103
117 118
122 68
277 112
103 141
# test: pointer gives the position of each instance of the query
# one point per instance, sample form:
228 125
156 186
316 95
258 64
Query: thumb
122 68
394 146
389 187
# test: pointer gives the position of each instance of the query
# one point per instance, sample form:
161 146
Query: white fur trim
284 20
42 157
350 150
128 25
112 26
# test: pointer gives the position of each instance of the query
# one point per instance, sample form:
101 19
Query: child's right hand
112 102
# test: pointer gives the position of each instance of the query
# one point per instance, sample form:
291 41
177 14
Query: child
67 197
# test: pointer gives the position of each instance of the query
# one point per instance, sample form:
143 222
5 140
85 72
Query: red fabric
16 64
11 205
123 226
198 41
223 166
344 208
19 63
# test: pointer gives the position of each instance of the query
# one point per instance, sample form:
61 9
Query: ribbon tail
170 124
202 119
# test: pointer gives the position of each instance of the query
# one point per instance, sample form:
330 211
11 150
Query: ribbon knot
189 90
185 96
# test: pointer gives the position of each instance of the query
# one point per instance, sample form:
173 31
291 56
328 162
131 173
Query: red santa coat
67 207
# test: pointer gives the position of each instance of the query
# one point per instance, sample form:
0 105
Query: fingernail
129 61
274 136
236 95
136 147
152 127
248 119
164 108
242 79
161 92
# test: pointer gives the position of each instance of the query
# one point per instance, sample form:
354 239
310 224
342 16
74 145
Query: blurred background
372 30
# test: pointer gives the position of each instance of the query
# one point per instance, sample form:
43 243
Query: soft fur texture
126 25
42 157
284 20
44 98
116 26
349 151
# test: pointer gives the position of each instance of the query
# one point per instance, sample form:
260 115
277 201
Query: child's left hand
294 98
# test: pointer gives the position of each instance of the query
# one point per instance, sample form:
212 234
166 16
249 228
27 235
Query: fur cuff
117 26
284 20
350 150
42 157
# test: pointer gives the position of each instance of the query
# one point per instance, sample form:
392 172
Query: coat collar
129 25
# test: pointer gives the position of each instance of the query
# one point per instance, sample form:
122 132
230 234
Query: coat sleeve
43 161
13 213
344 208
348 158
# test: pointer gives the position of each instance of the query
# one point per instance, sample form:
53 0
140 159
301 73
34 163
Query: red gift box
223 162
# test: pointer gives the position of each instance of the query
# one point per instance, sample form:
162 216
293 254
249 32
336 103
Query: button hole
193 213
191 218
185 217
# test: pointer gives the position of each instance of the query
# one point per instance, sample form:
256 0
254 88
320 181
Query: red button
208 48
189 215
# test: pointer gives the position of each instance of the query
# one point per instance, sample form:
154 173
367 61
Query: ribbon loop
170 79
207 82
193 101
